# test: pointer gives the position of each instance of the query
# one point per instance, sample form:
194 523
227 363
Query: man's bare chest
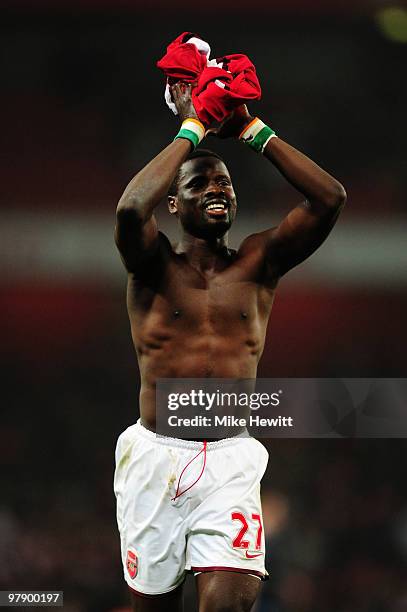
193 297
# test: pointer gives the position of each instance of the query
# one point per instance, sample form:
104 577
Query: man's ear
172 204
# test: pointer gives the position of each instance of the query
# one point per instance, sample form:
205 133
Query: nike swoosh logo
249 556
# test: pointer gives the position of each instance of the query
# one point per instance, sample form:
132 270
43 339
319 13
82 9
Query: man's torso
186 323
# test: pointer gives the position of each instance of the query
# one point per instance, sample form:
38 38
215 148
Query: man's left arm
304 229
307 225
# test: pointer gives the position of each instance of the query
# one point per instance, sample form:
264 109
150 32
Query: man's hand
182 97
233 125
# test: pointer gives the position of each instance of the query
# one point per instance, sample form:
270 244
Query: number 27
239 542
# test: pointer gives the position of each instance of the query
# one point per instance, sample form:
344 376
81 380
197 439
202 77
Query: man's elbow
129 209
337 196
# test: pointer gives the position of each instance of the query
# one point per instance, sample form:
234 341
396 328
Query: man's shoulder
256 241
151 269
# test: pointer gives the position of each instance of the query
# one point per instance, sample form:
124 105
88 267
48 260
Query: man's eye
196 185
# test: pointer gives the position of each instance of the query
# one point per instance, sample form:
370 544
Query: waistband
189 444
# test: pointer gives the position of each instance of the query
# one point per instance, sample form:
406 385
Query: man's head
202 195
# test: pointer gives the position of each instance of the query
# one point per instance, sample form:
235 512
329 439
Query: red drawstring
203 450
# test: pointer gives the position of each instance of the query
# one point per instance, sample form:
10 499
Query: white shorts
187 506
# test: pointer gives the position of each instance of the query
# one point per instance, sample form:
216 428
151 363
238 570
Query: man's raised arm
306 226
136 233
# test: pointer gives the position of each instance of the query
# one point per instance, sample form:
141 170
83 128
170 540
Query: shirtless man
199 310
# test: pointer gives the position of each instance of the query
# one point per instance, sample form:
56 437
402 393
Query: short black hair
173 190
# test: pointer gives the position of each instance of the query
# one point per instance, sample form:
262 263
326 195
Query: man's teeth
216 206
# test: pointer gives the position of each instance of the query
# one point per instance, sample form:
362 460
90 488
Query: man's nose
214 189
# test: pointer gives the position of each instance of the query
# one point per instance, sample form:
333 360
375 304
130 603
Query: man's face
205 203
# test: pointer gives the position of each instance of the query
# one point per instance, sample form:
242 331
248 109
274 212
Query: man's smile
217 207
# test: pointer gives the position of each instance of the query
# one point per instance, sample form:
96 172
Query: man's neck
203 254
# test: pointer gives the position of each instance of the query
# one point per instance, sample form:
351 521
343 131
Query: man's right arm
136 233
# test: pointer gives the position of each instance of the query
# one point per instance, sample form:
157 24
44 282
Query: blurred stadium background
82 109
